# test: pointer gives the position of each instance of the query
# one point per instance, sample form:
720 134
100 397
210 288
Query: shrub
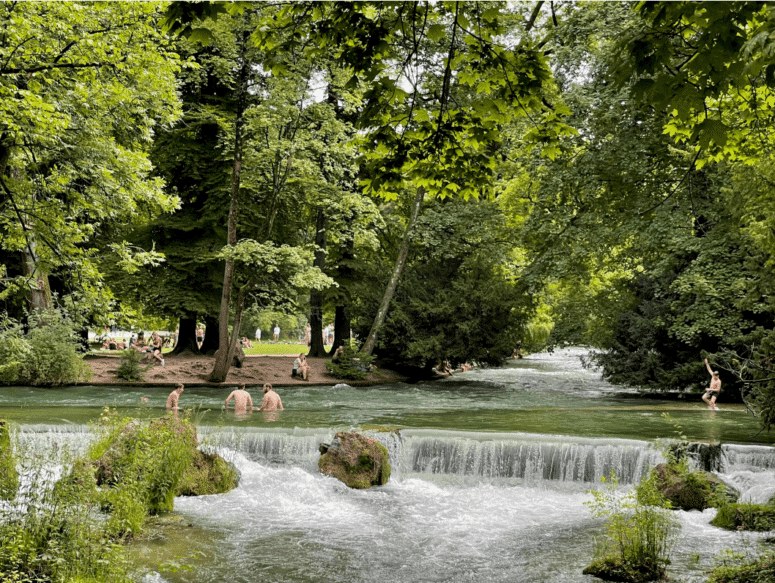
208 474
351 366
130 368
640 534
745 517
53 535
9 477
759 570
47 355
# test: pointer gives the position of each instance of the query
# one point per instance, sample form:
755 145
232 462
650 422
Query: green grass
278 348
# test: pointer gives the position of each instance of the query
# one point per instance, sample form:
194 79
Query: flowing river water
491 472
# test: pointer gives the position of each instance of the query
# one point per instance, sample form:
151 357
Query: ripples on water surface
491 472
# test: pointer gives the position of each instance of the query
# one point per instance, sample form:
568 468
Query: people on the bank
245 342
517 351
174 398
300 367
308 335
258 335
200 336
242 401
338 353
712 392
276 332
155 347
272 401
139 343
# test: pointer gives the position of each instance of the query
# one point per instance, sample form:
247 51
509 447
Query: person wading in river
172 400
242 401
711 393
271 400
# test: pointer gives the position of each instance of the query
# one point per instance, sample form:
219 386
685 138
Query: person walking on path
711 393
271 400
242 401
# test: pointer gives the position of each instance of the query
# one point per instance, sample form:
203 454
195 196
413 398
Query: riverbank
256 370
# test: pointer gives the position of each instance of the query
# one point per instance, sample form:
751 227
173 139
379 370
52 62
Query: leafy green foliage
131 368
352 365
760 569
9 477
754 517
640 533
47 355
77 118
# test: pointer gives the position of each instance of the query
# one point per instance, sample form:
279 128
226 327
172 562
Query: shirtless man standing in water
172 400
271 400
242 401
712 392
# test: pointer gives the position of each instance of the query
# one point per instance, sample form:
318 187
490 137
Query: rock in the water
359 461
697 491
208 474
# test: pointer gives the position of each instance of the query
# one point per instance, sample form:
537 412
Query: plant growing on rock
640 533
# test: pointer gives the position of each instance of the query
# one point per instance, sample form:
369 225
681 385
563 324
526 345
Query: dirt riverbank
256 370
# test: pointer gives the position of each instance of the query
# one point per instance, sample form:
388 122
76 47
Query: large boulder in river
9 478
694 491
208 474
359 461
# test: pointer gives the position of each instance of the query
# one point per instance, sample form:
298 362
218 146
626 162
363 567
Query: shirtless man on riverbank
711 393
242 401
172 400
271 400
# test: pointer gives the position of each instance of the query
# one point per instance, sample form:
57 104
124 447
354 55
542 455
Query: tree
83 88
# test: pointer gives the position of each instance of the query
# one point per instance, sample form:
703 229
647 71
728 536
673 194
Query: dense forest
443 179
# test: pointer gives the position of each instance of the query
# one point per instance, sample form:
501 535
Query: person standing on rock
172 400
711 393
271 400
242 401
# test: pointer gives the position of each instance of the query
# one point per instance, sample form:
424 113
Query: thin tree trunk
368 347
186 336
316 347
223 357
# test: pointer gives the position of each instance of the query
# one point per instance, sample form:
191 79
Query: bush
54 535
639 535
47 355
9 477
351 366
760 570
130 368
745 517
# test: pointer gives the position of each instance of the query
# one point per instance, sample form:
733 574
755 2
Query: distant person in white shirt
276 332
258 334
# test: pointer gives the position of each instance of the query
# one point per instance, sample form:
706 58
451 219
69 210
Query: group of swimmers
243 403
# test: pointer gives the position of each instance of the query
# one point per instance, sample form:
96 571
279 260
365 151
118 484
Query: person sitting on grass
300 367
245 343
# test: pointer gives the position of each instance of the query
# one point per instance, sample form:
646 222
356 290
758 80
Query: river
491 470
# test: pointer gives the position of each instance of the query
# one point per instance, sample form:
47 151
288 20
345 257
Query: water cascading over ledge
416 452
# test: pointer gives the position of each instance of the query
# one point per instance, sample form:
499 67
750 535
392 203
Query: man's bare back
271 400
172 400
242 400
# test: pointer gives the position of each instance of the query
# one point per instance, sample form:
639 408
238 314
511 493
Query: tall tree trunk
316 347
39 290
368 347
212 335
186 336
342 324
223 357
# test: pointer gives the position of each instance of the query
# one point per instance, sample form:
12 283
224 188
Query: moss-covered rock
692 490
745 517
616 569
209 473
359 461
9 477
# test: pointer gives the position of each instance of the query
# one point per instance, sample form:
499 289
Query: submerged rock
359 461
9 477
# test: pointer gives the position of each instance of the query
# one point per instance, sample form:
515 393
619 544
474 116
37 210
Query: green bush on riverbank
759 570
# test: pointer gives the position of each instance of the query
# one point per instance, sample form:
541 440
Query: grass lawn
278 348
